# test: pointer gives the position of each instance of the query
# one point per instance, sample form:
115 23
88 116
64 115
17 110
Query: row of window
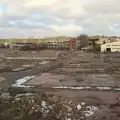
57 45
112 45
59 42
62 42
115 45
116 48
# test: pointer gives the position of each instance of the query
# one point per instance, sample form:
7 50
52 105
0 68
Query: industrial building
52 43
111 47
62 43
23 46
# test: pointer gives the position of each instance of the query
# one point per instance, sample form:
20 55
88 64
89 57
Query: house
111 47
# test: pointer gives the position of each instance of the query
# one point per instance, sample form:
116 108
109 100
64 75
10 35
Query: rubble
5 96
90 110
34 106
79 107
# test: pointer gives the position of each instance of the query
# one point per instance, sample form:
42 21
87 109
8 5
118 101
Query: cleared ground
77 69
83 69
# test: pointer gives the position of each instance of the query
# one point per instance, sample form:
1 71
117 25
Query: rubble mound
34 106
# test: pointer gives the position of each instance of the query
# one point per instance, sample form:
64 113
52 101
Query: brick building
62 43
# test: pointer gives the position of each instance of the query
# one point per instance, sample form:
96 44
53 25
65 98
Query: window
115 45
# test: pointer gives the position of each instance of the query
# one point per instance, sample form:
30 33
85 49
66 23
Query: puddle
117 89
104 88
18 69
45 62
86 88
20 82
22 95
74 88
27 66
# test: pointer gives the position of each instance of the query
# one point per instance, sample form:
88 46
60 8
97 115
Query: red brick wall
72 44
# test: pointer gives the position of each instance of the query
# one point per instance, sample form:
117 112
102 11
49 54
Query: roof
96 38
87 48
112 43
57 39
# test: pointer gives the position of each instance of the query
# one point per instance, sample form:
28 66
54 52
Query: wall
115 47
72 44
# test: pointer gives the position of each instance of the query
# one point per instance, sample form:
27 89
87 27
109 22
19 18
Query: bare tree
83 39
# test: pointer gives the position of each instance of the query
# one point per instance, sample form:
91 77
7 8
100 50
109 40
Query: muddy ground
97 75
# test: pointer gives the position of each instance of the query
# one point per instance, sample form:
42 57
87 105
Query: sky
43 18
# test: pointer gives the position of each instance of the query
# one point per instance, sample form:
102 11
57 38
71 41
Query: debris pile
34 106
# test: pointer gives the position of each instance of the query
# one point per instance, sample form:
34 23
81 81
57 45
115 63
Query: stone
82 103
44 104
69 109
5 96
79 107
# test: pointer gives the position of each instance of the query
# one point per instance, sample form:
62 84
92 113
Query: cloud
66 29
59 17
103 6
1 13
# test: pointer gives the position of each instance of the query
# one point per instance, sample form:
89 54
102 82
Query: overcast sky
42 18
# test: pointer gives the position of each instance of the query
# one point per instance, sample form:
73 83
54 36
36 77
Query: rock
82 118
6 96
79 107
2 78
82 103
17 99
69 109
68 119
70 102
44 104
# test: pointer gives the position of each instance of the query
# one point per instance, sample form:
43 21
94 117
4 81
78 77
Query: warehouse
111 47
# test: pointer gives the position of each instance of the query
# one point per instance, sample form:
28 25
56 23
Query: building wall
111 47
102 41
72 44
58 45
21 45
68 44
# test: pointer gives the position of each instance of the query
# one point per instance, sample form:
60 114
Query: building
104 41
95 42
52 43
61 43
111 47
23 46
58 44
73 44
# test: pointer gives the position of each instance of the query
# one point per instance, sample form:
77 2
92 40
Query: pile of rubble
34 106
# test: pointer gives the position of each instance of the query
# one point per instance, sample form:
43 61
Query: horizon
59 36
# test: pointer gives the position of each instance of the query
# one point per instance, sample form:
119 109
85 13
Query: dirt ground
76 70
17 53
83 69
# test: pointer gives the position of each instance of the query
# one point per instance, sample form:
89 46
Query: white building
111 47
